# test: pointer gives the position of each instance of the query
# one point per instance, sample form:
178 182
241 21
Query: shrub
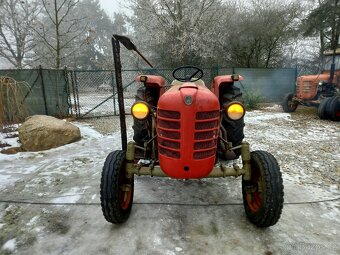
12 106
253 99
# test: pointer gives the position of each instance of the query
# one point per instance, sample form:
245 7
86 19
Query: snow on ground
10 173
10 245
306 148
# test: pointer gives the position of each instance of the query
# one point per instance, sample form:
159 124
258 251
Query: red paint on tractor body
154 81
307 86
220 80
188 118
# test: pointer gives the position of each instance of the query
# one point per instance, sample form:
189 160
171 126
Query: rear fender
152 81
222 81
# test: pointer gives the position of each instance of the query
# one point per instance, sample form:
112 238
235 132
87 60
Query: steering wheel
187 73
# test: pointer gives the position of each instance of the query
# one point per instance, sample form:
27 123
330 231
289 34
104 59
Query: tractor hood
314 78
307 86
187 124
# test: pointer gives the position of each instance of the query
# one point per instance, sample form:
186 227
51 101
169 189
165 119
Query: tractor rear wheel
288 105
141 127
322 108
263 194
235 129
116 190
334 108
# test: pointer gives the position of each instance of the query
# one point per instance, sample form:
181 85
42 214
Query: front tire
116 190
288 105
263 194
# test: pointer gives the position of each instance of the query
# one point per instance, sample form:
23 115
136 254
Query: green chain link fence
84 94
44 91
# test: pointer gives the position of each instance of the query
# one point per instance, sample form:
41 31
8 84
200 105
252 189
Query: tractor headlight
235 111
140 110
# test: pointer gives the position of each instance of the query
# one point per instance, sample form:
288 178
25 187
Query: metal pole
113 94
119 83
67 90
334 43
77 94
43 89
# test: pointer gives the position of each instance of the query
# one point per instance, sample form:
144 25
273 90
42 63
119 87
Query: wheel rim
337 109
125 190
254 191
125 196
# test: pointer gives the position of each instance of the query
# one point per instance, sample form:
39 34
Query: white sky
111 6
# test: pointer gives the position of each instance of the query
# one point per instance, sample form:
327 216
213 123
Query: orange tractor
321 91
190 131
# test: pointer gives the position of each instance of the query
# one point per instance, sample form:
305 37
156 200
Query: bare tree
61 32
261 33
175 29
16 40
214 32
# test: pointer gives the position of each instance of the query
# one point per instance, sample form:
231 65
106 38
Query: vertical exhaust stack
116 39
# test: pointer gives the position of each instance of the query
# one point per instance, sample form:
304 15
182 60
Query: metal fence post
77 94
296 76
74 94
43 89
68 92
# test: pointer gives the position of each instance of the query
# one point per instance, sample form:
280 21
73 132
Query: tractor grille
168 123
305 87
206 133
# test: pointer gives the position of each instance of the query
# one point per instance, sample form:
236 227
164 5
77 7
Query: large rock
41 132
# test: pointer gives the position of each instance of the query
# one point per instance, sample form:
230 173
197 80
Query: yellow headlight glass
235 111
140 110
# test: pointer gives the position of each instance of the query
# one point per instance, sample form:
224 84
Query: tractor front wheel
116 189
288 104
263 194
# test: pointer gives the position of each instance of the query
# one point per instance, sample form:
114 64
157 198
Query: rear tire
288 105
235 129
140 127
116 190
322 108
334 108
263 194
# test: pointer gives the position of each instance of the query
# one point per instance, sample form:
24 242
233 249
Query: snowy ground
308 152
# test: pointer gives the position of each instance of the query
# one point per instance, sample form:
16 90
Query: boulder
41 132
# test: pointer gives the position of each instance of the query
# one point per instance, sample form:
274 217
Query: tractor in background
321 91
190 131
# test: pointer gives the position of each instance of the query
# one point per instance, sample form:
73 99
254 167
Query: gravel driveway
52 197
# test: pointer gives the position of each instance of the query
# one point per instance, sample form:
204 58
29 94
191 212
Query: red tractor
190 131
321 91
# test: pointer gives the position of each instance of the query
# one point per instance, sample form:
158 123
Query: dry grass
12 106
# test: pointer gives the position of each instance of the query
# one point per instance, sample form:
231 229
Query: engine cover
307 86
188 118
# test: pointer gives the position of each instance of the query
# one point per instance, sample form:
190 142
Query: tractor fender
153 81
223 80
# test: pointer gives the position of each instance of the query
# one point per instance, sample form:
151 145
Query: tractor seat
198 82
